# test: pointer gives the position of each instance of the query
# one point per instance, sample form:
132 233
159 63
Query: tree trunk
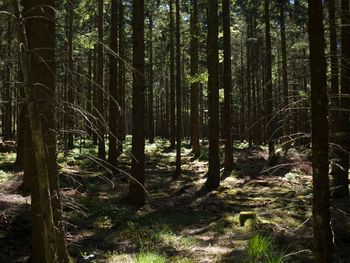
213 180
121 98
341 150
100 88
70 81
136 191
94 99
286 120
113 86
268 85
195 84
249 83
178 92
227 85
334 59
172 79
150 82
7 125
48 235
319 111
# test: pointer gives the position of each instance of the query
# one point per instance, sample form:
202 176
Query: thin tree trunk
100 87
268 86
7 125
178 92
286 120
150 83
227 86
172 79
94 99
121 98
70 81
249 83
195 84
113 86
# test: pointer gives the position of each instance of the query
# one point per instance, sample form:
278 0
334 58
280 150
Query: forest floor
181 222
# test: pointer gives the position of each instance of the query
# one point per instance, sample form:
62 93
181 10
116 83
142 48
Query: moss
226 223
244 216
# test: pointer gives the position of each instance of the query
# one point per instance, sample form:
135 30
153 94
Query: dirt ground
182 222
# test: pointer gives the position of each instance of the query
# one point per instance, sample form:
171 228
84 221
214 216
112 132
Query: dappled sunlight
182 221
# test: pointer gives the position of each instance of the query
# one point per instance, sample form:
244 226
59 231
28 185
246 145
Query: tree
213 180
7 93
322 235
334 59
227 85
99 82
172 78
286 120
268 85
136 190
70 84
150 80
340 170
178 92
121 97
194 85
113 86
48 235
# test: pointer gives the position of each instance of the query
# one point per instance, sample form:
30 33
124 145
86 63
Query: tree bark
286 120
48 235
341 149
178 92
150 82
70 81
172 79
227 86
121 98
195 85
100 87
213 180
319 110
113 86
268 86
7 107
136 190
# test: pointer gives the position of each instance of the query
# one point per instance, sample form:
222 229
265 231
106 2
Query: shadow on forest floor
182 222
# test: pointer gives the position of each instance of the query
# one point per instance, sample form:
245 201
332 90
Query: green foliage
300 46
198 78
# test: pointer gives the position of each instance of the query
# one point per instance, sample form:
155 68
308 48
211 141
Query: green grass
149 257
261 250
258 247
